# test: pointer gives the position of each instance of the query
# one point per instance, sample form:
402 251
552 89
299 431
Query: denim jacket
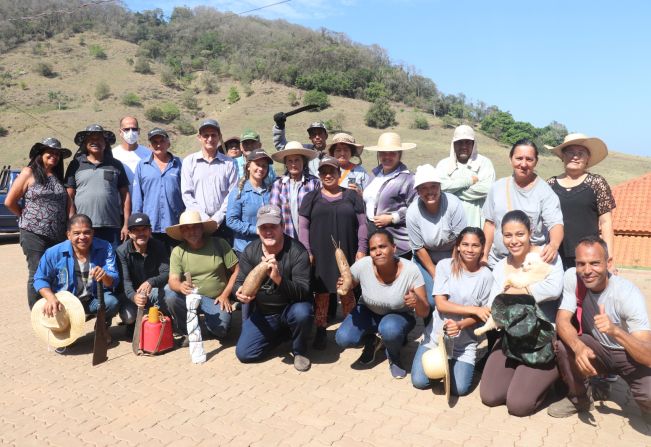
241 214
56 269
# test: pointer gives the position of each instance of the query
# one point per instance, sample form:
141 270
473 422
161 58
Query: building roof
632 216
632 251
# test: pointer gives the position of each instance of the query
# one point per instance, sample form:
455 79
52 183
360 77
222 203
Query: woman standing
328 214
523 191
42 219
513 376
392 289
462 287
343 148
586 199
434 220
288 191
391 191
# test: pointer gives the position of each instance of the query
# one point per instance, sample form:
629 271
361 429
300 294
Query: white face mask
130 136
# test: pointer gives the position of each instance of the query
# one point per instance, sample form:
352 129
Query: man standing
317 133
98 186
283 301
207 176
144 267
467 174
616 336
213 267
129 152
249 141
157 186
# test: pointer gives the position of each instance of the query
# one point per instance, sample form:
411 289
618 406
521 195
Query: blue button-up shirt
241 214
158 194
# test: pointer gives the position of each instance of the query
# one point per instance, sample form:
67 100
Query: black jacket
136 269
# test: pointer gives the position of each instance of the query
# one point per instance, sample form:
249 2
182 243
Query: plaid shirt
280 198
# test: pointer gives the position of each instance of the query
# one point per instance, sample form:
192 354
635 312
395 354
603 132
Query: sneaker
320 339
371 348
301 363
565 408
397 371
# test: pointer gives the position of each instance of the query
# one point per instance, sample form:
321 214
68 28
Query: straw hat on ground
65 327
190 218
389 142
355 149
597 148
294 148
435 365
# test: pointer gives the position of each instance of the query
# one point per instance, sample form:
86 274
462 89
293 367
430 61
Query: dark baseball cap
268 214
157 131
208 123
138 220
317 125
257 154
329 161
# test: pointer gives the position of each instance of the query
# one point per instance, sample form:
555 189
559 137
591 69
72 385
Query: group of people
445 244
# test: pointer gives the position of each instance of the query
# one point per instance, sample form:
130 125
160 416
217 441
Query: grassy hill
29 108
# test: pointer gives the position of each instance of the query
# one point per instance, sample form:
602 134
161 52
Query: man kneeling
283 302
616 336
75 266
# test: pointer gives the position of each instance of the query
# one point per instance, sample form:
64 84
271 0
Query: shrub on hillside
420 122
185 127
131 99
189 101
233 95
102 91
142 66
209 83
336 123
317 98
165 113
3 132
380 115
44 69
97 52
167 77
293 99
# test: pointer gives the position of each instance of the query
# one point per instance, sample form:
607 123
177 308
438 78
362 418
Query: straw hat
294 148
355 149
435 365
190 218
596 147
63 328
426 174
390 141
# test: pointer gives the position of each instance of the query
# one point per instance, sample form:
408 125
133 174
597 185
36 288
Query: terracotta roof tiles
633 213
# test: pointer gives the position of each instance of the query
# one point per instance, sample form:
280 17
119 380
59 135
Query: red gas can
156 337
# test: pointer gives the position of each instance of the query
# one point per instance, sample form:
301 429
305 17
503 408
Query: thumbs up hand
602 322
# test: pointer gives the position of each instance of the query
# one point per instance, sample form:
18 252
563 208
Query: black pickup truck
8 220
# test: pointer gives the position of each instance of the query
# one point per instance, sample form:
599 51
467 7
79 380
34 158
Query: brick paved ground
51 399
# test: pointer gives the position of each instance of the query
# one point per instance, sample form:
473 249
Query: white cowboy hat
294 148
596 147
435 365
190 218
355 149
389 142
65 327
426 174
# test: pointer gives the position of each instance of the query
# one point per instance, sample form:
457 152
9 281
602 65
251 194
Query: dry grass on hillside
78 75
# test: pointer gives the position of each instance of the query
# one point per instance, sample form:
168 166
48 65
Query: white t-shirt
130 159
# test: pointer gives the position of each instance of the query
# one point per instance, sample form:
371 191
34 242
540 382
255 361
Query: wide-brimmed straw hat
65 327
426 174
190 218
109 137
49 144
596 147
390 142
435 365
355 149
294 148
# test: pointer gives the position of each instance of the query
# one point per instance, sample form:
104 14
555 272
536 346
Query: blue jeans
111 303
361 321
129 310
460 374
218 321
260 332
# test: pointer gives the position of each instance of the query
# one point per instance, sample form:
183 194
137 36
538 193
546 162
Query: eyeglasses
133 129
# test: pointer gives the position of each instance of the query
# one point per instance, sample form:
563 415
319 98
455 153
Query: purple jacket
394 196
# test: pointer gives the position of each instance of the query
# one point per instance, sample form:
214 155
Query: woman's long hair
457 263
38 169
245 177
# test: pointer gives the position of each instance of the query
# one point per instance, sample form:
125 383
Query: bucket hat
389 142
294 148
355 149
426 174
65 327
596 147
436 366
49 144
109 137
190 218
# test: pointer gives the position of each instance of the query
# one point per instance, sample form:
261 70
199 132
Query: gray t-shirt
623 303
385 298
436 232
467 289
539 202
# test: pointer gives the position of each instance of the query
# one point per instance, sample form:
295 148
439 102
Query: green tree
131 99
380 115
97 51
233 95
375 91
164 113
316 97
420 122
